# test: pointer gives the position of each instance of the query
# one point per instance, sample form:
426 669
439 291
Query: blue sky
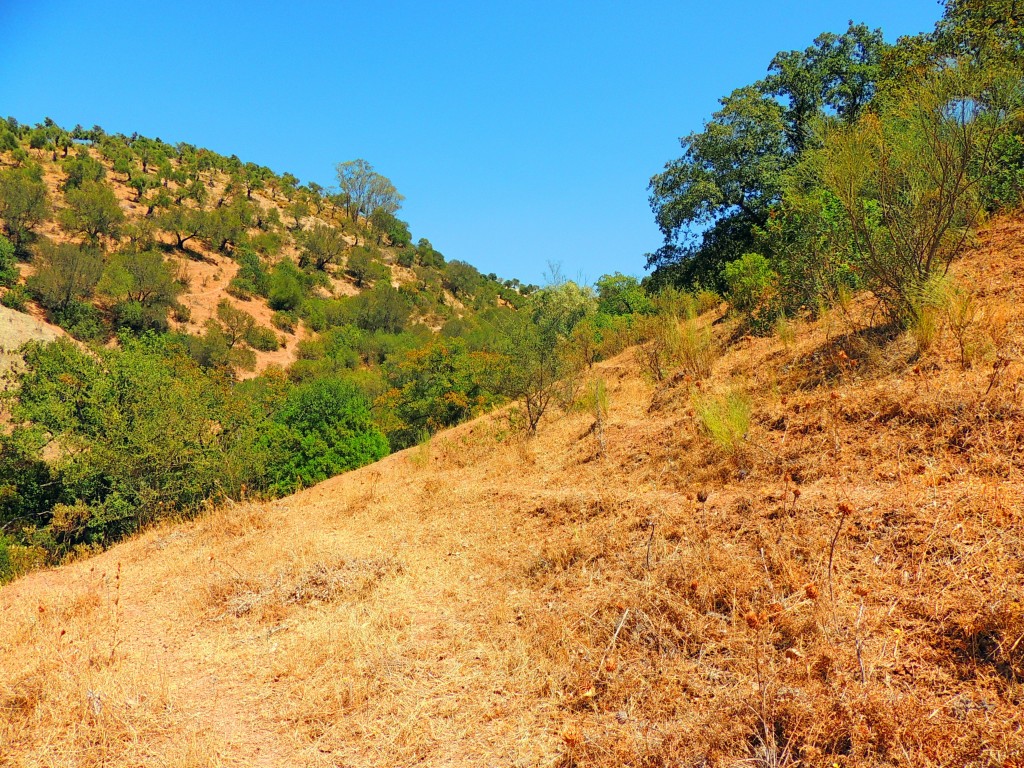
521 133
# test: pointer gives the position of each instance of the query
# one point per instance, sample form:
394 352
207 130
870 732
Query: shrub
725 418
284 321
751 282
15 298
262 339
8 265
285 288
323 428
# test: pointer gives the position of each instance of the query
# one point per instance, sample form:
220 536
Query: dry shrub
268 598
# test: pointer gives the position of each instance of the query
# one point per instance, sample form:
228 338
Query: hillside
214 220
842 586
17 329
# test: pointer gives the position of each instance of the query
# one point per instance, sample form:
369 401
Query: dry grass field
842 585
17 328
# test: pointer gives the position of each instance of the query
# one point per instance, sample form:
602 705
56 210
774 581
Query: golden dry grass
845 589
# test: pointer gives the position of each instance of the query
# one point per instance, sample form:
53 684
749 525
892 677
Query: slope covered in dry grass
844 589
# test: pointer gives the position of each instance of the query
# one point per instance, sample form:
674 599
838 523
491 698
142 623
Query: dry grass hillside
17 328
842 587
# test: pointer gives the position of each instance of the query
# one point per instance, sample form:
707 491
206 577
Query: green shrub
8 264
15 298
284 321
323 428
725 418
262 339
750 280
285 290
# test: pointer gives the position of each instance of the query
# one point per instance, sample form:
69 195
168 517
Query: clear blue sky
521 133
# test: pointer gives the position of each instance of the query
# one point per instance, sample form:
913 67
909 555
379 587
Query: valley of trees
138 414
853 165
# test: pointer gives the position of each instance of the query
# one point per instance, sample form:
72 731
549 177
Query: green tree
382 308
184 223
93 211
320 246
143 288
82 169
24 204
389 227
620 294
365 190
461 279
65 274
708 202
434 387
837 72
286 290
363 266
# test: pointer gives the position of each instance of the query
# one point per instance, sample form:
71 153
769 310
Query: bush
323 428
8 264
83 321
284 321
750 280
15 298
285 292
262 339
725 418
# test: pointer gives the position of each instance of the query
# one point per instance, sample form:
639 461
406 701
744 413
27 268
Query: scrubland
839 583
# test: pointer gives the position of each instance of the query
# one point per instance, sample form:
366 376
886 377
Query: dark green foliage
389 227
708 202
364 267
381 309
146 433
64 275
143 288
93 211
81 169
252 279
16 298
285 292
426 256
434 387
461 279
262 339
324 427
320 246
28 488
1004 185
24 204
8 264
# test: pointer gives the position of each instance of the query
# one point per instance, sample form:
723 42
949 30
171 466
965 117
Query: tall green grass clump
725 418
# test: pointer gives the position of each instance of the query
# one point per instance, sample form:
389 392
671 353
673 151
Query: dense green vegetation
854 164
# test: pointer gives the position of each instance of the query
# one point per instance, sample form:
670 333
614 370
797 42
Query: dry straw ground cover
842 585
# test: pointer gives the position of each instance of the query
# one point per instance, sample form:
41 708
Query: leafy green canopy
325 427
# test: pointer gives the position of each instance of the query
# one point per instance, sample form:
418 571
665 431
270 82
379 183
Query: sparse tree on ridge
366 190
